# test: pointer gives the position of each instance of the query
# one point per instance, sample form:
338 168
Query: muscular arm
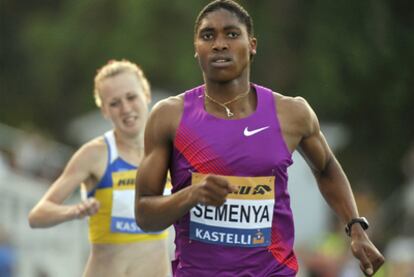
153 211
50 210
335 188
329 175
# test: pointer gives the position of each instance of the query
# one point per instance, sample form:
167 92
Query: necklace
224 105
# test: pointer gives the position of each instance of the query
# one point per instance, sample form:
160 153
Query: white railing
59 251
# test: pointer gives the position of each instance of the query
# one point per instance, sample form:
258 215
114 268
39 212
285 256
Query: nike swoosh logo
248 133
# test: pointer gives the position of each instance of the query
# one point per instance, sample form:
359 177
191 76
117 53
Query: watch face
364 223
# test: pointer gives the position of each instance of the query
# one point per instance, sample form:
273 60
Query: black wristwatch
361 220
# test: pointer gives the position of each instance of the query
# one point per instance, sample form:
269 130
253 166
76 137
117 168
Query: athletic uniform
115 221
252 233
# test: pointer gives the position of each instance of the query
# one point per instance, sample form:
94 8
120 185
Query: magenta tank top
252 234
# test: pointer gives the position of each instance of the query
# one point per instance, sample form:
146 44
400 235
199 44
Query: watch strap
361 220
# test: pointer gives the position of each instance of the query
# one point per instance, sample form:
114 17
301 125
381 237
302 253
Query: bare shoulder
295 113
92 157
296 106
87 165
172 104
165 116
94 149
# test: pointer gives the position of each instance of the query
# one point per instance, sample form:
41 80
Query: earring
253 52
195 55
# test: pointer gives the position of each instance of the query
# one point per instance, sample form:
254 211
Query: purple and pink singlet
252 233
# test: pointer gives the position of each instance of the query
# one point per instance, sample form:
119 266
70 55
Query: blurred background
352 60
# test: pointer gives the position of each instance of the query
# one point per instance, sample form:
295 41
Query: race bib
123 199
245 219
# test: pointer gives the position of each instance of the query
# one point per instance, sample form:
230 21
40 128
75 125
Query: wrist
72 212
357 231
192 198
356 226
